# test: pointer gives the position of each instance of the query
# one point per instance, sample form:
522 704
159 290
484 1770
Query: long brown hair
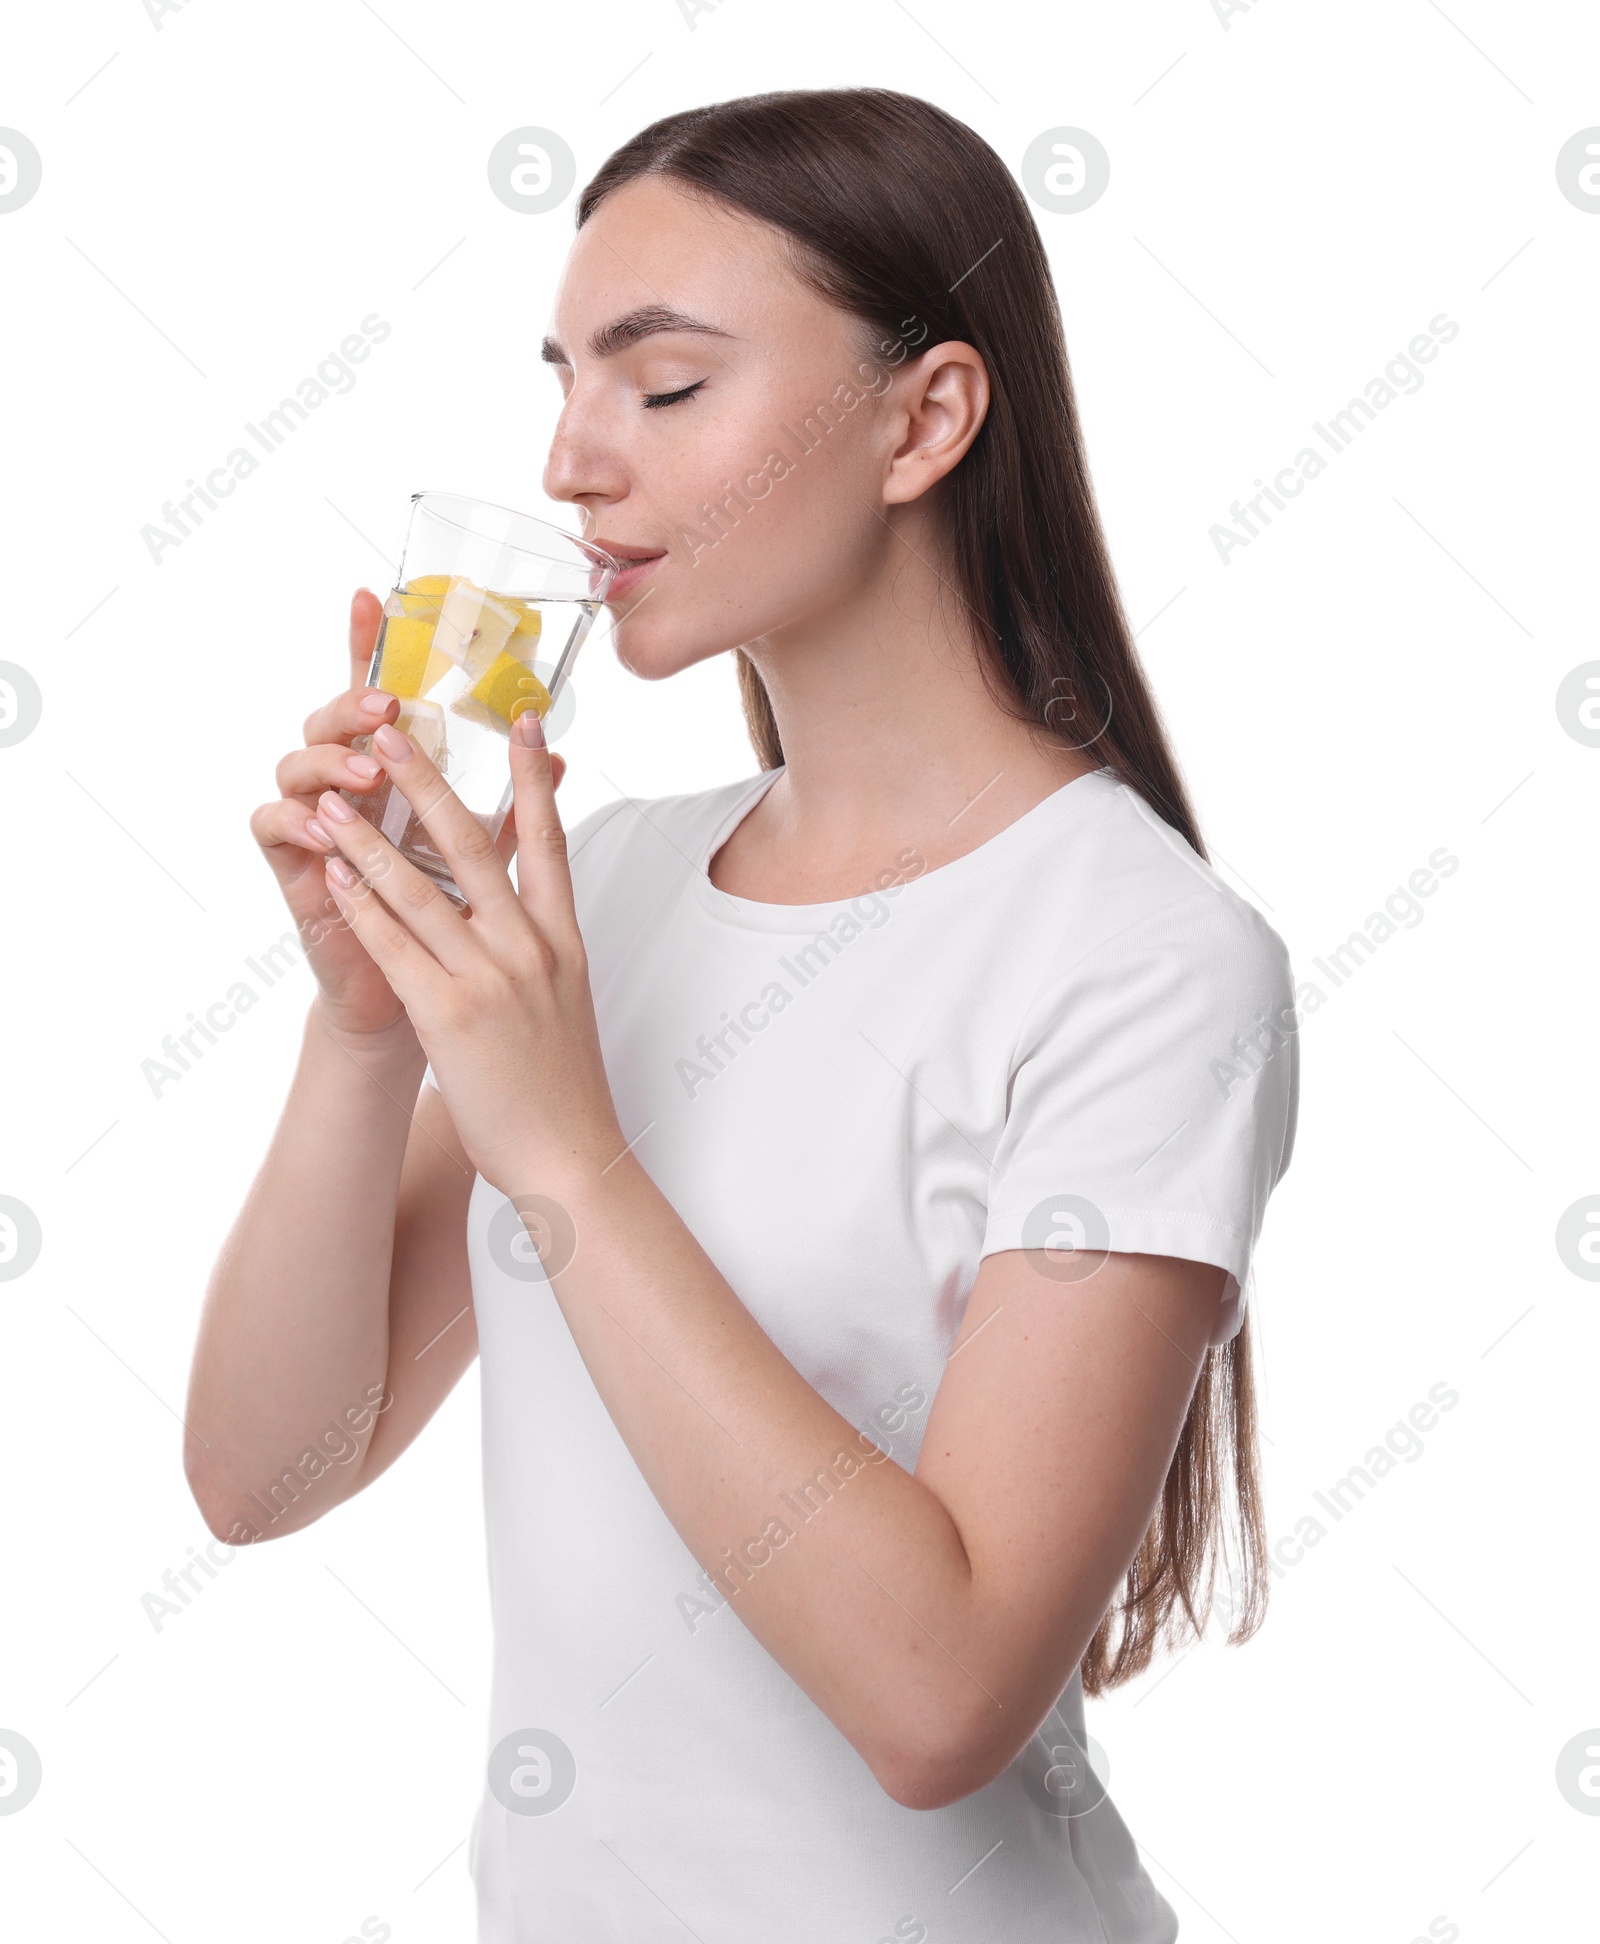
904 217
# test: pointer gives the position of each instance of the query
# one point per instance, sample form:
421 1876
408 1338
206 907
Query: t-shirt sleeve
1153 1097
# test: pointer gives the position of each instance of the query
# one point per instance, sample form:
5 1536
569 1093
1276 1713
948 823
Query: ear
944 396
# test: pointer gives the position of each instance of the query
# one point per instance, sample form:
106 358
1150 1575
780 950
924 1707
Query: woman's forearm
292 1351
847 1568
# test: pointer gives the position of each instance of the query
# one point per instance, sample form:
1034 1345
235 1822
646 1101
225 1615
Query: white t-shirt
1077 1035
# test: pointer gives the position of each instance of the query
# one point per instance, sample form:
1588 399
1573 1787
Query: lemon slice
410 664
528 622
509 686
439 621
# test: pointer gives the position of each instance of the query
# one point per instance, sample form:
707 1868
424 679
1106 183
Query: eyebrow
646 321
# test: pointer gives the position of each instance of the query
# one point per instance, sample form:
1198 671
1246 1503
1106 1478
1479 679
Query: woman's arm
935 1617
339 1313
338 1316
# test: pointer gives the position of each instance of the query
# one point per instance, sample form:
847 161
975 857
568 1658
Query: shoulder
1162 1003
1129 895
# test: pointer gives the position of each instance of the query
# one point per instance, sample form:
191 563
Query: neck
890 734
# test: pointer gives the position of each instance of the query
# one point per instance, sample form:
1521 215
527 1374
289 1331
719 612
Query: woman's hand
499 996
353 994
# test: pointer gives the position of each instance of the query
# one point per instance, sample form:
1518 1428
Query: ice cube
423 722
474 627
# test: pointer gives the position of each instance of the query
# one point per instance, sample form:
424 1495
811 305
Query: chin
654 646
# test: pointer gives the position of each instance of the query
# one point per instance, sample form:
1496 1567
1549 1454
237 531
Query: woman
849 1175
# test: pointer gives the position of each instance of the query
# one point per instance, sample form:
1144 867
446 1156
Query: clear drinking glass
486 621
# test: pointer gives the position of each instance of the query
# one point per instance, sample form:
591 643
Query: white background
1295 193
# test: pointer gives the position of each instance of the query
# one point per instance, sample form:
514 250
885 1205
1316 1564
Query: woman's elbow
934 1771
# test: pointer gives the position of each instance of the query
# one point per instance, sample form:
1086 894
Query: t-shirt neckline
941 881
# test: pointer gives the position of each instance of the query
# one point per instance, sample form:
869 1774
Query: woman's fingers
307 772
366 617
391 937
457 835
544 881
351 713
506 842
293 824
393 892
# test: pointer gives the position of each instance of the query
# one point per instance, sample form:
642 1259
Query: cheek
765 520
787 510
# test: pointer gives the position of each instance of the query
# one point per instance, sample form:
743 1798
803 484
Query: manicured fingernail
341 872
363 765
335 807
375 701
395 746
530 729
317 834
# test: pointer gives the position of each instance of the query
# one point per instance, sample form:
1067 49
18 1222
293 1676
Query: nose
583 467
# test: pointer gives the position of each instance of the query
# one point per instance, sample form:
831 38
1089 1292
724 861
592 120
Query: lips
636 564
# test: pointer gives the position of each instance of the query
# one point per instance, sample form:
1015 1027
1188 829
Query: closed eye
654 399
